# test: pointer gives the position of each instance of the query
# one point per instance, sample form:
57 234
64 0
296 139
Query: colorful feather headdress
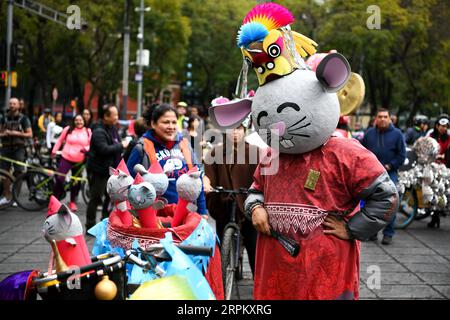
269 45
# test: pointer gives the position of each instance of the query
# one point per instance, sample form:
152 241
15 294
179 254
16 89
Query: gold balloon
105 289
352 94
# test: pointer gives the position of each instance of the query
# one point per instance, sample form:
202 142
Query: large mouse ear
113 172
65 213
333 72
229 115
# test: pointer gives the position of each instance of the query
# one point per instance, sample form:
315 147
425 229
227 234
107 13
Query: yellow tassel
301 51
304 45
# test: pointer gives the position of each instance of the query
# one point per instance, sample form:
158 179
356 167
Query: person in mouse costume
309 187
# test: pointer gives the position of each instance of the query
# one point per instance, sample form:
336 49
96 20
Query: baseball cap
182 104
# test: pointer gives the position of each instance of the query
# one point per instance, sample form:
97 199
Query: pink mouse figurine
141 196
189 187
157 177
117 188
64 227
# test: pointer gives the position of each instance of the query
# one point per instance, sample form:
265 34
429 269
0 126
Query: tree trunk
386 94
43 76
372 92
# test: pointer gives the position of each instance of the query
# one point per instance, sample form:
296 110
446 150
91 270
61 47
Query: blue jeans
389 230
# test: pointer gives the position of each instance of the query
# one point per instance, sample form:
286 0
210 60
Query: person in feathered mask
309 187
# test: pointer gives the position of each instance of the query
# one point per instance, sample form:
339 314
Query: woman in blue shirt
169 147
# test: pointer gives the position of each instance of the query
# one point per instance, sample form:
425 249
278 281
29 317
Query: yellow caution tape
44 170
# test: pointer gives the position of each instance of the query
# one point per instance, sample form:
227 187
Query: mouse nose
279 127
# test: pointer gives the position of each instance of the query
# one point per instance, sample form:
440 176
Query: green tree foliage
57 56
216 59
404 64
167 32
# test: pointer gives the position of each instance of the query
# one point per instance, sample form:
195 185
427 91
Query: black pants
249 235
97 188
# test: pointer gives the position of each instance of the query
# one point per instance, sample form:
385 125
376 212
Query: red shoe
73 207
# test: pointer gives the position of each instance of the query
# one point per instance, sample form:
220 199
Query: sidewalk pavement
415 266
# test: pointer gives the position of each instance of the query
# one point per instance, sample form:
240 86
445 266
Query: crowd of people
175 135
389 143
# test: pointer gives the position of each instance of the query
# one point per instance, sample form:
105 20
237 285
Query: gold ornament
352 94
136 222
105 289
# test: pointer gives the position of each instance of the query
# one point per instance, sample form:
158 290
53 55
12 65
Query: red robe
326 267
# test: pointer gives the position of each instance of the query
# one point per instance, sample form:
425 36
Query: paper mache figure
65 229
117 188
189 187
141 196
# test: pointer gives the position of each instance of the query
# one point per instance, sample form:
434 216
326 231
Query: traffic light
3 79
16 54
14 79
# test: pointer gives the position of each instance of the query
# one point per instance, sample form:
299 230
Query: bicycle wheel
228 254
240 264
6 180
407 210
85 192
32 190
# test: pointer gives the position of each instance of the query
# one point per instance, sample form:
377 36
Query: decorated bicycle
145 250
141 218
425 186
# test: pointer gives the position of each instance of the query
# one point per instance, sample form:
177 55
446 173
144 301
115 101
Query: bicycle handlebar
116 262
194 250
61 276
220 189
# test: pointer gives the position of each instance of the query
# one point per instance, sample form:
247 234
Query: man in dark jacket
388 145
105 151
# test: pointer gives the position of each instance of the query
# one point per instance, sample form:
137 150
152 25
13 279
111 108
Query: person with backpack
76 139
106 151
163 143
15 129
139 128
